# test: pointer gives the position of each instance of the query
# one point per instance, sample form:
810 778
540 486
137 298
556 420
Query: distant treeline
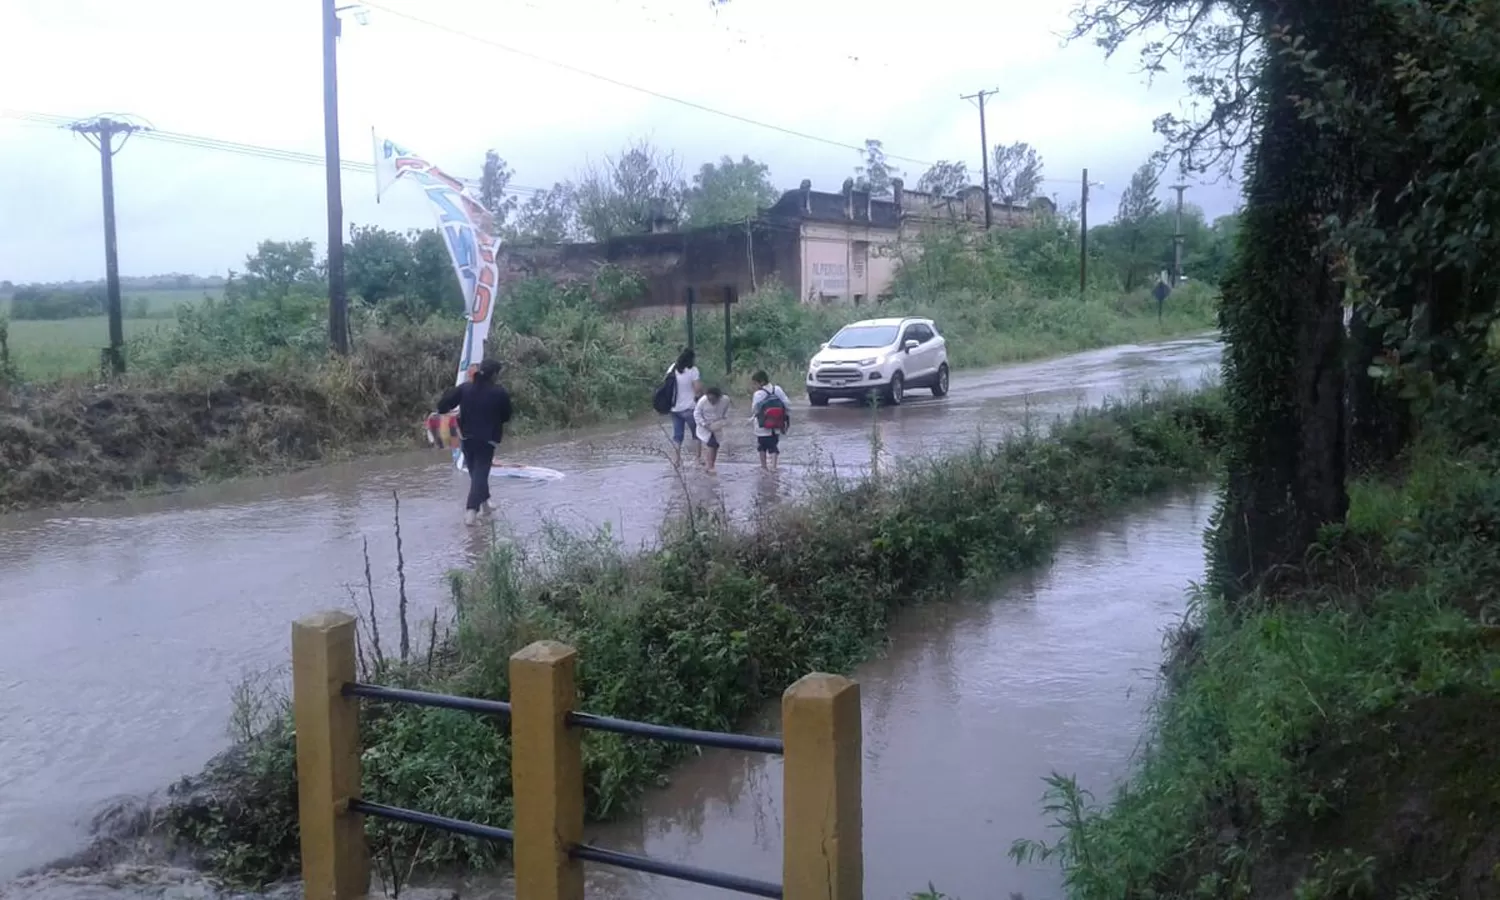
54 303
170 282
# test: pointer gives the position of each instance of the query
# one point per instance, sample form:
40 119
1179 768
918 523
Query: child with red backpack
771 415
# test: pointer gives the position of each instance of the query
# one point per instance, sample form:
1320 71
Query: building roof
824 206
858 206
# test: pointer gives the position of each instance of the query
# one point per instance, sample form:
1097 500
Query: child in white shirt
709 416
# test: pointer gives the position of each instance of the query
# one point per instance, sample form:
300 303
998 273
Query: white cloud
842 69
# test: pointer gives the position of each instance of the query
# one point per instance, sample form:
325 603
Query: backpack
666 394
773 414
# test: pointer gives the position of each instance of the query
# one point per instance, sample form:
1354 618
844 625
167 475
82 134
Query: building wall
853 262
824 247
707 260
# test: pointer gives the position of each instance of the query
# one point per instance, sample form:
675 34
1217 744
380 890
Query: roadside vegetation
700 631
1335 739
243 383
1326 720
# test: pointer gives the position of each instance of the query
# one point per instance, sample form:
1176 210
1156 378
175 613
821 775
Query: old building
826 247
851 242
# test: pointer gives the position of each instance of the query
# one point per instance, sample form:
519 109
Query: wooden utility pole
1177 237
1083 239
100 133
984 150
338 299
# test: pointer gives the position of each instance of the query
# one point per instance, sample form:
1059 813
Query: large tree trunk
1282 319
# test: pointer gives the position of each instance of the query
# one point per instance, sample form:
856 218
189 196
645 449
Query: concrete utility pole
1177 237
100 133
984 150
1083 238
338 299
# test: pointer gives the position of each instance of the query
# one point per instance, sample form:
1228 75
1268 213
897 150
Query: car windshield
863 337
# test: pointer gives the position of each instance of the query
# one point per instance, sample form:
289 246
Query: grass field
69 347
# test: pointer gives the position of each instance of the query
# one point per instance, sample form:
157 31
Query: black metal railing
586 721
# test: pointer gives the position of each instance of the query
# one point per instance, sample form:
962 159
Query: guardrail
823 852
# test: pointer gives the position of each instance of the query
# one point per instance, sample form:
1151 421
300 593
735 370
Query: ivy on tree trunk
1282 320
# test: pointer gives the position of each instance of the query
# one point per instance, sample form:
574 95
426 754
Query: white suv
879 356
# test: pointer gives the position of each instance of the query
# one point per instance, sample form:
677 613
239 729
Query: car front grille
837 374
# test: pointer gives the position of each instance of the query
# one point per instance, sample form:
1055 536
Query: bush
704 629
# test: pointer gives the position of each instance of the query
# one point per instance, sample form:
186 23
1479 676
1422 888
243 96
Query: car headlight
815 364
873 361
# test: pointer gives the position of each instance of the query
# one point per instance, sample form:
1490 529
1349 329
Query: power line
691 104
215 144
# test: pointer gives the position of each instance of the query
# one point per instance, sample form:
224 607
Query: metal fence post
546 764
335 857
728 331
823 856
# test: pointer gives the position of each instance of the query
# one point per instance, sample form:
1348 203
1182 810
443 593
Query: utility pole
100 133
1177 237
984 151
1083 239
338 300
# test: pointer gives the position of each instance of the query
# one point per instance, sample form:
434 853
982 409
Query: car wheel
817 399
940 387
895 392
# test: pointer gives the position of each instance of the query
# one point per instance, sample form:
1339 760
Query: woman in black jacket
483 409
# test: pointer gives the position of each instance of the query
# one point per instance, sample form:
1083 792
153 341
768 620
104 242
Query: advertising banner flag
467 228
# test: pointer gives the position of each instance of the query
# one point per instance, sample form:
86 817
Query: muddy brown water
972 706
124 625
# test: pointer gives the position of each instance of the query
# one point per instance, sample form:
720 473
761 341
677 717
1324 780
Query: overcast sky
842 70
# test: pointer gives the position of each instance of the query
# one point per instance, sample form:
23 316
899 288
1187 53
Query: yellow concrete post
546 764
335 857
823 855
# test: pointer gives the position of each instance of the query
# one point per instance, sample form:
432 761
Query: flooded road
974 703
125 624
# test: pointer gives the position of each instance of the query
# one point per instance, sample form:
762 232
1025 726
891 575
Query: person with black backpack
677 396
771 415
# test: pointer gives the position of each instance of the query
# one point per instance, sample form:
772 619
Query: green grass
1336 740
701 631
64 348
49 350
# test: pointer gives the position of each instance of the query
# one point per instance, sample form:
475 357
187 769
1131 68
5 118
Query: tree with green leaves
1015 173
630 193
377 263
494 183
277 271
876 174
944 178
410 274
1140 208
729 192
549 216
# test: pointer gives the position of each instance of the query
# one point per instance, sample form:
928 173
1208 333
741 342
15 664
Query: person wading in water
483 409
